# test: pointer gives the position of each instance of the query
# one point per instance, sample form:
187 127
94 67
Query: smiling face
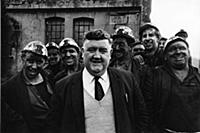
32 64
70 56
150 41
96 56
178 55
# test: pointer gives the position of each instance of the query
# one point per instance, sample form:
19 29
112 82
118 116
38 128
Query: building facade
53 20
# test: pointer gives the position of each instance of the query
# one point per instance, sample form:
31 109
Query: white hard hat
36 47
67 42
125 32
52 45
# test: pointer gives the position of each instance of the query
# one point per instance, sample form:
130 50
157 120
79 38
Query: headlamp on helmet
52 45
173 39
36 47
124 32
69 42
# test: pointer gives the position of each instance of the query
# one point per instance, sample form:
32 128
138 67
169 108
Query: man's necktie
99 94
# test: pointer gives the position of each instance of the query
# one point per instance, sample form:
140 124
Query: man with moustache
172 91
29 92
150 36
54 60
70 54
97 99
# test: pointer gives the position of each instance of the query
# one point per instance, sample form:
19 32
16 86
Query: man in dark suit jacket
113 103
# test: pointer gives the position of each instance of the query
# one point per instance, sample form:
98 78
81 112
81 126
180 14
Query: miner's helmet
173 39
69 42
36 47
51 45
146 26
124 32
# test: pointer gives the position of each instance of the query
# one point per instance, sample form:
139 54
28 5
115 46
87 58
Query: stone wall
108 15
66 3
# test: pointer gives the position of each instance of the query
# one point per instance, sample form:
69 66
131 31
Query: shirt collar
90 77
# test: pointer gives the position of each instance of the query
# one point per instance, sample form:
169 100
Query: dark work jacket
128 64
155 60
11 121
173 104
67 113
54 70
64 72
16 95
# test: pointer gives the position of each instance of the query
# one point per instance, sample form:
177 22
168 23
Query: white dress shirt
88 82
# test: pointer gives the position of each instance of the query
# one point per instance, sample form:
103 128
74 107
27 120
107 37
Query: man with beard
150 36
54 60
121 56
97 99
28 93
70 53
172 91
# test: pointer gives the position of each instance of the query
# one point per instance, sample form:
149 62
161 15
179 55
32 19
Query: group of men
113 84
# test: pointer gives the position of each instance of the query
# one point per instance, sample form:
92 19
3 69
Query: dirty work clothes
17 95
55 69
66 71
173 104
156 60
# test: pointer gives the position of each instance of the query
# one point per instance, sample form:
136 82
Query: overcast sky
172 15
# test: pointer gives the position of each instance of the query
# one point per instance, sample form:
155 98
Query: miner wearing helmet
70 54
54 60
177 107
121 55
149 34
29 92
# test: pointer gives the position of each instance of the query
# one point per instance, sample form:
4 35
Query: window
54 29
80 26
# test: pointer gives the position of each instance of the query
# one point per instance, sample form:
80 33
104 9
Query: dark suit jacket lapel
122 121
77 101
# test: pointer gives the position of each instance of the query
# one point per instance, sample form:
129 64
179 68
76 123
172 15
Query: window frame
80 26
54 29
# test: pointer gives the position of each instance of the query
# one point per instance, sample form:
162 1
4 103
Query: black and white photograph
100 66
